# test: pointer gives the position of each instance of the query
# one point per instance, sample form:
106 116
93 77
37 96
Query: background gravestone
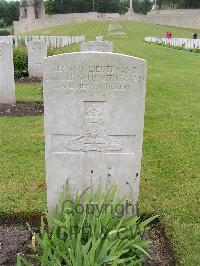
37 51
7 84
99 39
94 115
101 46
6 39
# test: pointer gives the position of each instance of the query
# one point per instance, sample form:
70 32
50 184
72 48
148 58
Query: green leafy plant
50 51
87 230
20 58
196 50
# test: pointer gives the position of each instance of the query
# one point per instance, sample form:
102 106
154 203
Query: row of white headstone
37 52
51 41
175 42
94 106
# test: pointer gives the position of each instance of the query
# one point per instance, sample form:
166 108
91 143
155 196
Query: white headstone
37 51
47 40
94 115
25 40
99 39
7 39
103 46
7 84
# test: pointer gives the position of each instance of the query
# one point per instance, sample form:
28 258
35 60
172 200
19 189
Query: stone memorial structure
31 10
7 84
37 51
100 46
130 10
94 114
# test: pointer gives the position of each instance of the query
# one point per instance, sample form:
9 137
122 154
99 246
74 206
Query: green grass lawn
28 92
170 184
22 166
90 29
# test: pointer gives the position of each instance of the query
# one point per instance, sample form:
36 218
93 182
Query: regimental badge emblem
95 137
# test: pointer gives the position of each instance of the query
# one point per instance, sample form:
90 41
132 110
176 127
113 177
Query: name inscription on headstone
94 80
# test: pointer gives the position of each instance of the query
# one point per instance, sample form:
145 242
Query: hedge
20 57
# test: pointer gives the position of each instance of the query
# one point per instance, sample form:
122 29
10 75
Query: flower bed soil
15 238
21 109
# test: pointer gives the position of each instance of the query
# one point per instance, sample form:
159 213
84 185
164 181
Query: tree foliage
171 4
80 6
143 6
112 6
9 11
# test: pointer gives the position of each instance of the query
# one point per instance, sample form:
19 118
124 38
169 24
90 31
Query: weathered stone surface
94 115
37 51
99 46
7 85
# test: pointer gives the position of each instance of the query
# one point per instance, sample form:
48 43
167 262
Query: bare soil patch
28 80
14 239
161 251
21 109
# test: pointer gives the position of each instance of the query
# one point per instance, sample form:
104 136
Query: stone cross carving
131 4
130 10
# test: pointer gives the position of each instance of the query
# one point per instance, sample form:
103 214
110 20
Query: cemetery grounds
171 150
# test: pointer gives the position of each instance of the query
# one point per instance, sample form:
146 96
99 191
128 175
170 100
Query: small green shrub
196 50
21 42
20 58
4 32
50 51
87 230
180 48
